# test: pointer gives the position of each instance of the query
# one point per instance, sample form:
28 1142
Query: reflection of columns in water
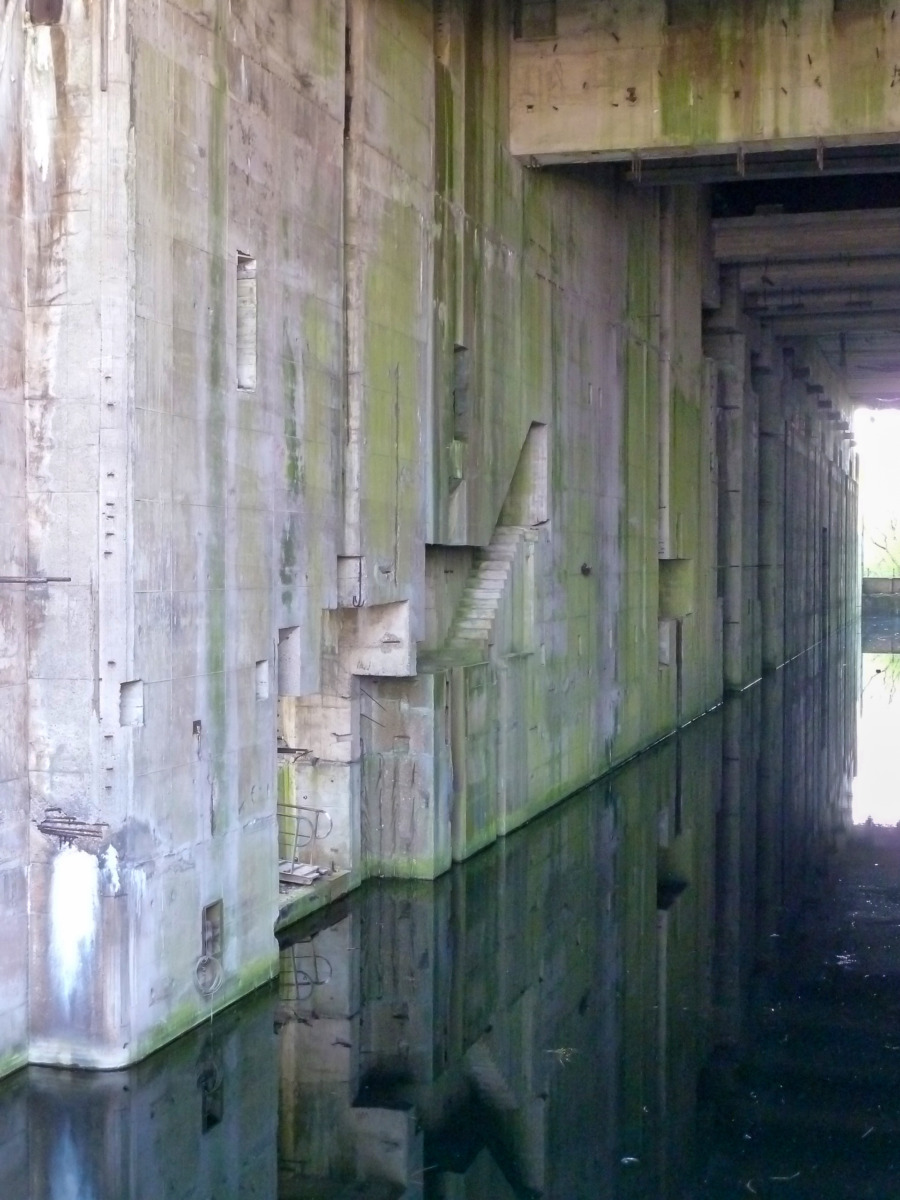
729 349
728 1000
770 840
575 976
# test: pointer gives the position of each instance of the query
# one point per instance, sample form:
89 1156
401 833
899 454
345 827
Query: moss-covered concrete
424 549
751 75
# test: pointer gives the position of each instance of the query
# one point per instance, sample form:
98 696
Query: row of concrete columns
787 497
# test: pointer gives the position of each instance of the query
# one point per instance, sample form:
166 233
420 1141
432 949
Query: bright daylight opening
876 796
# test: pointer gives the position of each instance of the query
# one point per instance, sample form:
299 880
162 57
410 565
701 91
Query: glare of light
877 435
875 792
876 795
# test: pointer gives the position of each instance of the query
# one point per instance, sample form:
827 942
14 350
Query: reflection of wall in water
534 1012
198 1120
790 754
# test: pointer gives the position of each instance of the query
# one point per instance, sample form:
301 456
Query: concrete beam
855 301
750 162
801 237
824 274
818 325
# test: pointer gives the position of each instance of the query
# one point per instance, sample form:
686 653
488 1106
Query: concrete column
666 334
771 516
794 501
730 351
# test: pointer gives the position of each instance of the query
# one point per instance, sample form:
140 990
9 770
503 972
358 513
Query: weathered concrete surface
610 80
344 434
564 989
203 1119
13 559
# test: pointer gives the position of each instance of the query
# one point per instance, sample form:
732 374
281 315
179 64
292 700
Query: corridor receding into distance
449 600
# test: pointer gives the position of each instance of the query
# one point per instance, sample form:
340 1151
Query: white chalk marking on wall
74 906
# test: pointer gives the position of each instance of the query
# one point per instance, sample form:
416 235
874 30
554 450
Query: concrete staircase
476 613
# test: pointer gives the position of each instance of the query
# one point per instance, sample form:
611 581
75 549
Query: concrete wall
567 988
548 289
14 561
202 1118
788 493
607 81
342 433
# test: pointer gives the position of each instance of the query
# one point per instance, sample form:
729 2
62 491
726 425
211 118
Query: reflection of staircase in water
476 612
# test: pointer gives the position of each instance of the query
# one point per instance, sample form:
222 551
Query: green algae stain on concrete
692 67
861 79
287 561
215 447
292 468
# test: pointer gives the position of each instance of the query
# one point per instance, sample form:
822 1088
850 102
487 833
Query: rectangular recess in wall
212 932
289 661
676 588
862 8
45 12
131 703
535 19
462 415
245 341
213 1104
262 679
690 13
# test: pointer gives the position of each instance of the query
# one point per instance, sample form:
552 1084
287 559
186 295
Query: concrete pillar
666 347
768 385
730 352
407 774
750 634
794 502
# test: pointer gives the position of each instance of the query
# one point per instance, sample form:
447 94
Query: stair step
477 608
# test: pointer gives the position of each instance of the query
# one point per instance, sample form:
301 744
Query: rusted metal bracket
35 578
68 829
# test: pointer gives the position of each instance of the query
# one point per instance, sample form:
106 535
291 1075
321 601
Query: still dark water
682 983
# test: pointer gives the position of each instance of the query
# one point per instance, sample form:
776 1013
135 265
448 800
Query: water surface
683 982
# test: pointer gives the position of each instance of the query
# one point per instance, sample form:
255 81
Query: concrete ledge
300 902
872 586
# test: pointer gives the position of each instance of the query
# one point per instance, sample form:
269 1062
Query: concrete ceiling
830 276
